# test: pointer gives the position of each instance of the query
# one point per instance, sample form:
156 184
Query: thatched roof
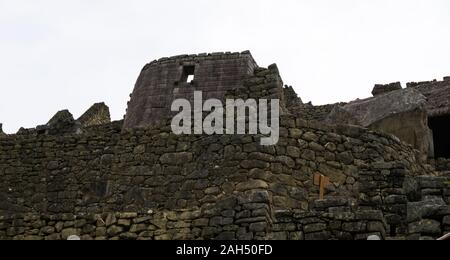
437 94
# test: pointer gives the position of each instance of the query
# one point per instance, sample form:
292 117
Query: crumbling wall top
381 89
201 57
98 114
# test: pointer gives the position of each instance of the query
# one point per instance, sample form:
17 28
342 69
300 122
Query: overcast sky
68 54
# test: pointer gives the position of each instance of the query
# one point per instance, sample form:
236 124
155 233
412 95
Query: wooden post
323 182
322 187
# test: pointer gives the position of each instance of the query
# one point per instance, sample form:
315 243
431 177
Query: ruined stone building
387 159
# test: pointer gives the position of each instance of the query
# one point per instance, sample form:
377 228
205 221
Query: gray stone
100 232
316 147
53 165
310 137
354 226
252 164
114 230
426 227
48 230
258 227
286 161
427 208
295 133
226 236
323 235
293 151
309 155
140 149
252 184
311 228
128 236
66 233
330 202
345 157
396 199
110 219
375 226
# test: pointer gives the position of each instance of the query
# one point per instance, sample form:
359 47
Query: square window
188 74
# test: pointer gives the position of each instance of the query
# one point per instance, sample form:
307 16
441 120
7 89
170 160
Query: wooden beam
323 182
322 187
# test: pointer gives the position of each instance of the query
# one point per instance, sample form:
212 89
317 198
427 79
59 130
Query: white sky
70 54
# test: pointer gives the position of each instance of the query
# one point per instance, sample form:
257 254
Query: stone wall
226 186
329 219
428 211
190 225
442 164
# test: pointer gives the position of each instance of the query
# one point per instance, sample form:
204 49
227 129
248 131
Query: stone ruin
386 158
64 123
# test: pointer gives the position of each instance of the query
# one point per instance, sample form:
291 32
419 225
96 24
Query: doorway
441 135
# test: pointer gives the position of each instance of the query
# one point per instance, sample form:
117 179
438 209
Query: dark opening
441 135
393 231
188 74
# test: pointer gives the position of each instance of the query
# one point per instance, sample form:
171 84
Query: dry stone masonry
136 180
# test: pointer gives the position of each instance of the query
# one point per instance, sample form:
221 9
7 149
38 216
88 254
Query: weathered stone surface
176 158
372 110
61 118
252 164
345 157
426 227
323 235
418 210
311 228
148 105
98 114
109 183
258 227
354 226
114 230
252 184
310 137
401 113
